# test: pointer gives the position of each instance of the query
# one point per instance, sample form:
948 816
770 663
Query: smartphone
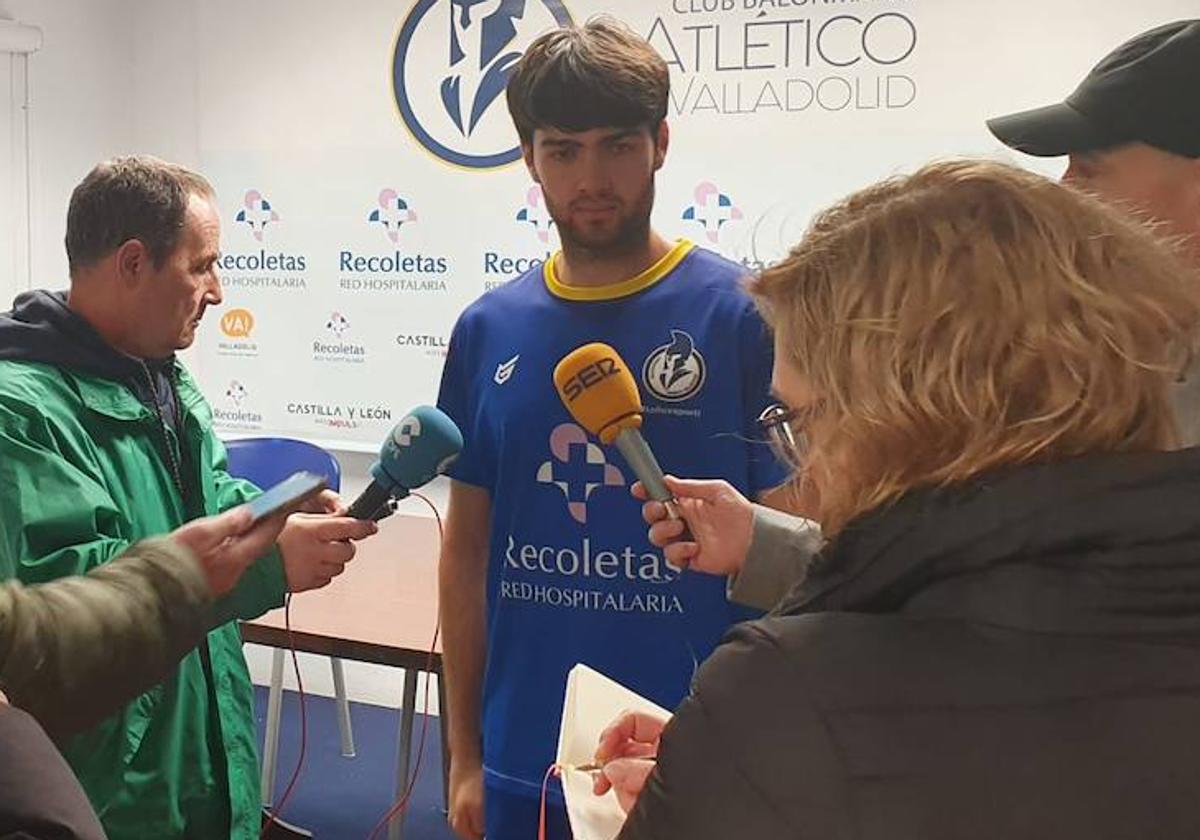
287 495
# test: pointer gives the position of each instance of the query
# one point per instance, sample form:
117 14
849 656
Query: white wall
164 42
12 181
79 110
15 245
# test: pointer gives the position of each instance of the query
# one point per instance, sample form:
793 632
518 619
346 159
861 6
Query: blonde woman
1002 636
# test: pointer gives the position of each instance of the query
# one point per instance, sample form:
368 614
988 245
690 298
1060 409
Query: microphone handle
389 507
369 502
641 460
637 454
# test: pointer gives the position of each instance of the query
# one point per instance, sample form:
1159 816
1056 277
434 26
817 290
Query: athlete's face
599 184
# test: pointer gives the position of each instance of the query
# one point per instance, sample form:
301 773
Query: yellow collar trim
625 288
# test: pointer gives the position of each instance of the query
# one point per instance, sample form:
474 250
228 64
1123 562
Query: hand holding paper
595 711
626 755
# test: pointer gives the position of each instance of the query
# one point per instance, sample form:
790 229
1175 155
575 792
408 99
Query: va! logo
237 323
451 63
712 209
256 213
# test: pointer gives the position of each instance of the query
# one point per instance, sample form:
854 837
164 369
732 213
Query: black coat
39 797
1014 658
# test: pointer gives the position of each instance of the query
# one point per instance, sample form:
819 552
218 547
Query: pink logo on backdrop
257 213
235 393
392 212
337 324
535 213
712 208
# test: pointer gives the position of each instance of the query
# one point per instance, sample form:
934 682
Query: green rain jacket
99 450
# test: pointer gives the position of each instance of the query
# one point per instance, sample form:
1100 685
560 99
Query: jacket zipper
206 659
172 455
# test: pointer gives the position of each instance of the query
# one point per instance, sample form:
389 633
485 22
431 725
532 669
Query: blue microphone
422 445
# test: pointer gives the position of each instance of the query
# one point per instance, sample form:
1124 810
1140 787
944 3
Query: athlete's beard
631 233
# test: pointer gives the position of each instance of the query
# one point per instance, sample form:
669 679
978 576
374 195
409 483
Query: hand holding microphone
597 388
422 445
720 518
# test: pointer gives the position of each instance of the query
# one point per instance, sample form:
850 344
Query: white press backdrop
360 154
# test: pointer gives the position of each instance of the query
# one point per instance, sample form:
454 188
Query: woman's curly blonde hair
971 316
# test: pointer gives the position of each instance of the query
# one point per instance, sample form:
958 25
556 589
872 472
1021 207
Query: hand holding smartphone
288 495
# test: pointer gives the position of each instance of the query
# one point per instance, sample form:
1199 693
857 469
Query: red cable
552 770
401 804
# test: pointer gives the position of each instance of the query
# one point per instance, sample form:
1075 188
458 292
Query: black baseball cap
1146 90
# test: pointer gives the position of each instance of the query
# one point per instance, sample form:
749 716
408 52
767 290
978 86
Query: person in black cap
1131 129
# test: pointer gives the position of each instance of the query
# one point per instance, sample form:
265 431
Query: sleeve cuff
262 588
781 549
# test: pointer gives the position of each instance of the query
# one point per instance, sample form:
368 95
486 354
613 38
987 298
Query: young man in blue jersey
546 561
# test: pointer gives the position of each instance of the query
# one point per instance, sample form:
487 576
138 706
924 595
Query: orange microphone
602 395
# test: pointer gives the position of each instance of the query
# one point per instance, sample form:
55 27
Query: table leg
404 748
444 728
271 736
343 707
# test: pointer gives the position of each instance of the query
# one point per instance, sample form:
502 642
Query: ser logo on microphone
589 376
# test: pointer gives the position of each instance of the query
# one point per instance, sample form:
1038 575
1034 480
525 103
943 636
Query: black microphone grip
370 502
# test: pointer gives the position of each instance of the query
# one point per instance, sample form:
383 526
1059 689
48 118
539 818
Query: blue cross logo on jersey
577 467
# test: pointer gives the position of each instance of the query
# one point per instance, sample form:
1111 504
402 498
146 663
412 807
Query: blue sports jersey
572 576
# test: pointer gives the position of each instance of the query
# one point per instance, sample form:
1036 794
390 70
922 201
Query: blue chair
267 461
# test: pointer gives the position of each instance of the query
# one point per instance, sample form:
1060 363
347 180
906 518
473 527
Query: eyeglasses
779 424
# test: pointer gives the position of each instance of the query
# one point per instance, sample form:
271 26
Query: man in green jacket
105 440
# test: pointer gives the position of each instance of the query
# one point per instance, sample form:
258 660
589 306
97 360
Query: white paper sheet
592 702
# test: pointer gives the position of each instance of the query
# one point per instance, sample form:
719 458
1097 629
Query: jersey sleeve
458 398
